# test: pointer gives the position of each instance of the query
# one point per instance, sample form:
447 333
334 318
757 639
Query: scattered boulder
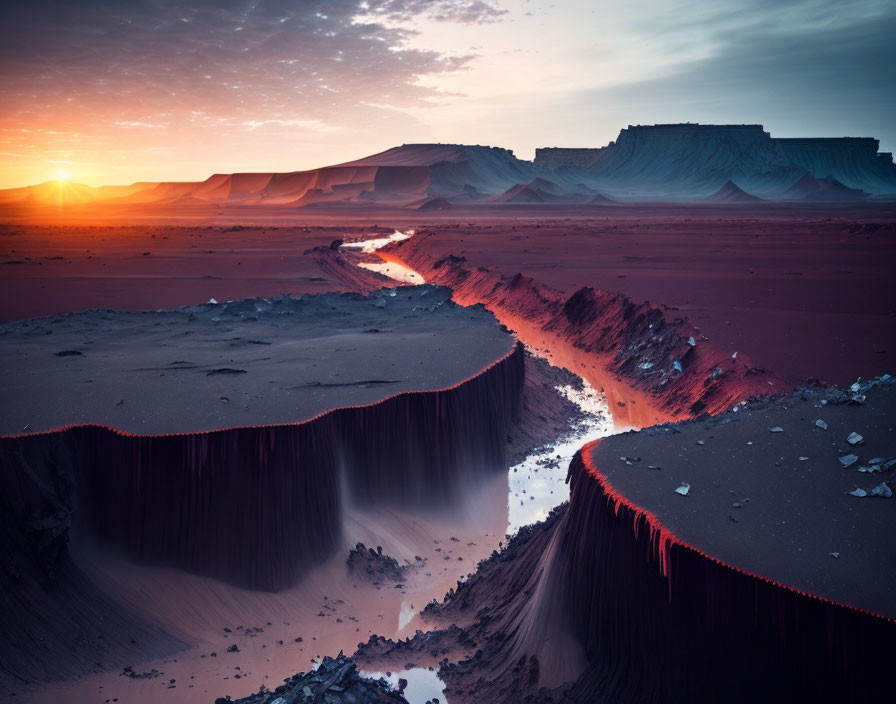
335 680
375 566
882 490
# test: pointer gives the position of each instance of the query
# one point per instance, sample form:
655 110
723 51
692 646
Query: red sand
802 296
63 269
807 292
806 289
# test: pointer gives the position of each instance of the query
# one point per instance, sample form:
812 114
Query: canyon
657 320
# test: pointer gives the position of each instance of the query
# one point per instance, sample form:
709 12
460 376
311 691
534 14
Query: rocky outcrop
334 680
376 567
559 157
682 161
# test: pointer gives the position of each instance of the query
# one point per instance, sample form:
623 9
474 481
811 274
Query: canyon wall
657 618
258 506
652 367
600 604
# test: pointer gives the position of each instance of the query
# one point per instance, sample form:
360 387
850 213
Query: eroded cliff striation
257 506
853 161
55 622
691 627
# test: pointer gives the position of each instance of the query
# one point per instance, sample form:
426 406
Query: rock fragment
882 490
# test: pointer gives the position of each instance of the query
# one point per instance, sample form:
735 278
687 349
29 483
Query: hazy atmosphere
108 92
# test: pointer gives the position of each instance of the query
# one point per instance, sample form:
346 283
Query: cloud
323 58
137 123
818 73
463 11
284 84
313 125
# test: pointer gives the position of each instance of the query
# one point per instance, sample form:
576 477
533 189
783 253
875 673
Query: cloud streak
162 89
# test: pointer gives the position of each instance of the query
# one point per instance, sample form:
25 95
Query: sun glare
61 175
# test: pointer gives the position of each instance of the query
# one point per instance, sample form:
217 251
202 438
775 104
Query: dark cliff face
54 621
633 616
659 621
257 506
559 157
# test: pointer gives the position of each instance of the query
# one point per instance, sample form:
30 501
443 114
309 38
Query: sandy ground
49 270
805 290
767 491
250 362
330 610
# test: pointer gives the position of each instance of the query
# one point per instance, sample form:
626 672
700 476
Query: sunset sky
110 91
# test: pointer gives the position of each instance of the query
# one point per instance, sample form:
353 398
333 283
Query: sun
61 175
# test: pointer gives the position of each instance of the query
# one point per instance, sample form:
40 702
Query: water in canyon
329 608
537 484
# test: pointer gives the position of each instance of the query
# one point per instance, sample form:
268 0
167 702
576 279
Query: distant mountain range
690 162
